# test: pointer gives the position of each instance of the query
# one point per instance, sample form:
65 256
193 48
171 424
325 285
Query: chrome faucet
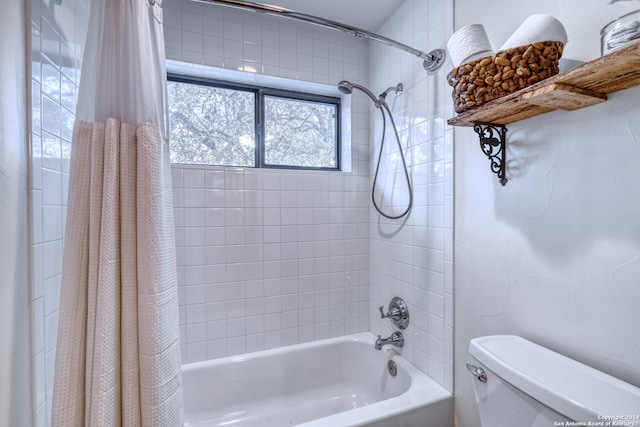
398 313
396 339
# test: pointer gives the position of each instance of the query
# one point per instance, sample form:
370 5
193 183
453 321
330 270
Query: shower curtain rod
432 60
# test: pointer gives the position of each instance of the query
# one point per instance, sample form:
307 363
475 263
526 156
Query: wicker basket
507 71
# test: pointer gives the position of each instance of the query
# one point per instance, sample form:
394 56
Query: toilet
519 383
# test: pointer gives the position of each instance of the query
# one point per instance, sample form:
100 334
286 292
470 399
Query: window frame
259 117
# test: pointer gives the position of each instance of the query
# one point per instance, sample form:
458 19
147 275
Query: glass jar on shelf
620 32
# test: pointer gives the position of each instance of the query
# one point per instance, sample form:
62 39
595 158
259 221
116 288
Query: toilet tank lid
571 388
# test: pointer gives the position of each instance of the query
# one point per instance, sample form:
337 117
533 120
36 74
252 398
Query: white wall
57 42
413 257
270 257
15 399
554 255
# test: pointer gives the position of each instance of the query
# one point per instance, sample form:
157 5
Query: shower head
397 89
347 87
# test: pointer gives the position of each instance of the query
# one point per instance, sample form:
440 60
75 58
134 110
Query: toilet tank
530 385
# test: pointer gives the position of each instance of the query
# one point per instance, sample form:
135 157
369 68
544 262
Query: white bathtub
339 382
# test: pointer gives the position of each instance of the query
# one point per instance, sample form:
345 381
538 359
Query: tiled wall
268 258
413 258
57 39
236 40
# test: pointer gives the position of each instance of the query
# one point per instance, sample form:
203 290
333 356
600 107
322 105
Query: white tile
49 360
193 178
214 178
234 198
287 42
192 42
196 333
52 259
195 236
232 49
216 348
194 198
306 333
50 84
235 272
52 294
255 342
216 292
288 61
216 311
236 345
193 22
213 26
251 34
252 55
51 187
195 217
236 290
254 306
272 322
51 333
193 57
272 199
213 46
196 352
232 31
173 38
215 217
215 198
236 309
171 17
273 339
195 294
272 269
37 317
37 220
236 327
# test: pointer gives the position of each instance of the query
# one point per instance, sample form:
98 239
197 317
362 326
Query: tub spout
396 339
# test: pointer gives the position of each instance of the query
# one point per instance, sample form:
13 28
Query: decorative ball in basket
492 77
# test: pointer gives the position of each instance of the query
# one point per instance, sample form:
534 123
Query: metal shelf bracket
493 145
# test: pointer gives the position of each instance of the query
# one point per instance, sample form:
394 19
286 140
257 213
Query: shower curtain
118 352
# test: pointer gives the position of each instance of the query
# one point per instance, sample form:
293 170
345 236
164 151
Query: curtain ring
152 2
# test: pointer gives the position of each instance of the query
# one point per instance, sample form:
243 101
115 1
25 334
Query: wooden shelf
579 87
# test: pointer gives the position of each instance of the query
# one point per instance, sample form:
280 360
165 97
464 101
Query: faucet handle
382 315
398 313
393 313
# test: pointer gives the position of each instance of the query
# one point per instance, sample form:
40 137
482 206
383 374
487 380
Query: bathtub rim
423 390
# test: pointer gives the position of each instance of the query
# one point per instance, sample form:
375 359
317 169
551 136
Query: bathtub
339 382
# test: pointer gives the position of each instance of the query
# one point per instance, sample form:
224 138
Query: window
218 123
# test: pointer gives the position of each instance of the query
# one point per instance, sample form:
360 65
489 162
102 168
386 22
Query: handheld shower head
398 90
345 87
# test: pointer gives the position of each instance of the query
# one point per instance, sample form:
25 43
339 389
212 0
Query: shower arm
432 61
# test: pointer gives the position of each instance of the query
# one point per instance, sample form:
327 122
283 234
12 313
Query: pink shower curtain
118 352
